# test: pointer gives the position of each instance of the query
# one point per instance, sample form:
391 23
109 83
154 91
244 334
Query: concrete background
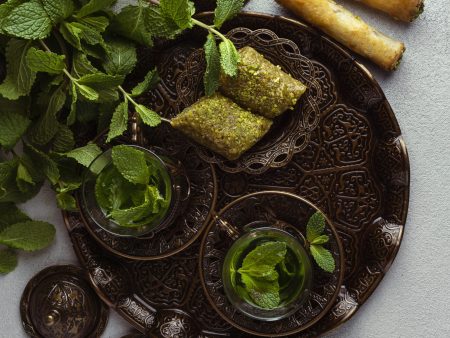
413 299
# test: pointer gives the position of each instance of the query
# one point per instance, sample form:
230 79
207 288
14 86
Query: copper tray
355 168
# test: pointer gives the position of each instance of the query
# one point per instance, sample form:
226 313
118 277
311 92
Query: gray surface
413 299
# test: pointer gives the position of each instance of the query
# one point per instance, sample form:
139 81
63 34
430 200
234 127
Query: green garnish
259 275
314 231
66 64
126 189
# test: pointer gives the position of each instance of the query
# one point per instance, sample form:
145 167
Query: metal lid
59 303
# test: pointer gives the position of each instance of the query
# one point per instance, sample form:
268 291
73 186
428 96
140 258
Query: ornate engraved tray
354 167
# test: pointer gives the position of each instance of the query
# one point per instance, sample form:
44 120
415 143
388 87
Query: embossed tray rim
330 225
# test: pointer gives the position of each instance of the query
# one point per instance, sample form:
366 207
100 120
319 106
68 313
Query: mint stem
211 29
128 97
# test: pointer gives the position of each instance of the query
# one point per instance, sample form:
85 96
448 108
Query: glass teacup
172 182
294 274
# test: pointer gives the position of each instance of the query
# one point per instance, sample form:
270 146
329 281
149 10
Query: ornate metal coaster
186 228
290 133
268 206
355 168
59 302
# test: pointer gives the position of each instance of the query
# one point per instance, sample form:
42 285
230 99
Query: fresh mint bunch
66 64
316 240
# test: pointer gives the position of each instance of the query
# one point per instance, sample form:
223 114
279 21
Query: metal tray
354 167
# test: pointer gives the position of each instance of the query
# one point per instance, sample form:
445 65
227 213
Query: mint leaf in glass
263 293
131 164
266 254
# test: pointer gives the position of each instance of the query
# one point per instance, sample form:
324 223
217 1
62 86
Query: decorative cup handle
137 135
231 230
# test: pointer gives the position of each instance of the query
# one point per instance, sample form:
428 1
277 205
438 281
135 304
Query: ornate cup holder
193 217
289 213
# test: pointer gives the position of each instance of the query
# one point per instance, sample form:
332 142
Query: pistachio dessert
261 86
221 125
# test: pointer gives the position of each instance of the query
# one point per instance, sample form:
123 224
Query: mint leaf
58 10
104 85
88 92
28 21
8 261
179 11
112 190
323 257
10 214
229 58
81 65
23 177
131 217
130 23
64 140
315 226
269 253
12 127
320 240
263 272
28 236
65 201
85 155
148 116
263 293
212 74
150 81
88 34
42 161
99 23
43 61
121 57
47 126
160 26
6 9
94 6
226 10
131 164
119 121
20 77
71 34
9 191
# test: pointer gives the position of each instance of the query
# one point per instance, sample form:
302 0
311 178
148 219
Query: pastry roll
261 86
221 125
405 10
349 30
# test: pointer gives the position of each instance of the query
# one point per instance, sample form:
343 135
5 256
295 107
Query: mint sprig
316 239
259 275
